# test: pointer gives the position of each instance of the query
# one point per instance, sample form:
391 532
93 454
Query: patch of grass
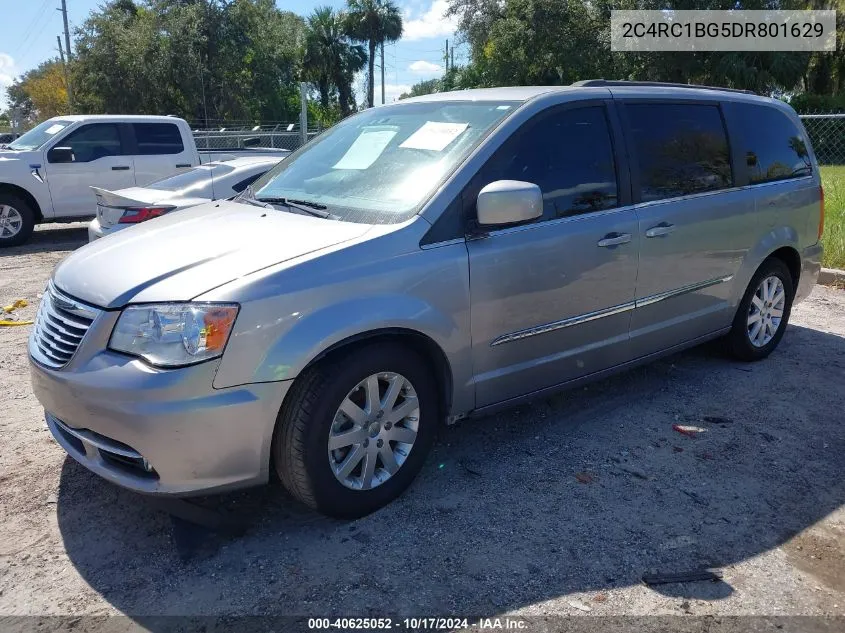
833 179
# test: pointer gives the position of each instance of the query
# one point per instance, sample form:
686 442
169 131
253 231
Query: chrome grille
60 325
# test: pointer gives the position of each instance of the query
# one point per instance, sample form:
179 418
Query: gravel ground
554 508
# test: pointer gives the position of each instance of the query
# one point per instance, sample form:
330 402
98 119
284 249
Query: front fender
277 334
18 180
321 330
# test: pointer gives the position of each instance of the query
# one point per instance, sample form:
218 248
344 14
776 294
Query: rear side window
682 149
568 154
775 149
158 138
94 141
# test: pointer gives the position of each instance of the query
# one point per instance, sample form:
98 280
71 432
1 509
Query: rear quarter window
158 138
773 145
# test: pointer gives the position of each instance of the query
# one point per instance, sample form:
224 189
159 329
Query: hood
14 159
182 255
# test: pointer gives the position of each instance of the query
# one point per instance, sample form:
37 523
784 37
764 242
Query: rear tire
17 220
390 440
763 313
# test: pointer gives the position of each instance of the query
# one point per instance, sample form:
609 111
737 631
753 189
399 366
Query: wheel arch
780 243
789 255
422 344
27 197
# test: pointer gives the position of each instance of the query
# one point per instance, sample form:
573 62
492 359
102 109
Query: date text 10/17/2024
418 624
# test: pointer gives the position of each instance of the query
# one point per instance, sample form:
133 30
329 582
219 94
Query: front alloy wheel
356 427
374 430
11 222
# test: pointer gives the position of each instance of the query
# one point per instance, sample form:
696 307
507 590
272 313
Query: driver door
552 299
99 159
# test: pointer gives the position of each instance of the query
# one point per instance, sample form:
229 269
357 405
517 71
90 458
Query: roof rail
607 83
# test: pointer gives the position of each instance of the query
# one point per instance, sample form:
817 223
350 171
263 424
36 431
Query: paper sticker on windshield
56 127
434 135
366 149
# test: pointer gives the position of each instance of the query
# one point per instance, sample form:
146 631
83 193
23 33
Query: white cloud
419 25
422 67
391 92
7 76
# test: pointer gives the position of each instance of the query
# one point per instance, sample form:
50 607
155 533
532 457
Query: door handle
661 229
120 168
183 165
614 239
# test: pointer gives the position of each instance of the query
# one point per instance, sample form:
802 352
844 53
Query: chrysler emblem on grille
63 304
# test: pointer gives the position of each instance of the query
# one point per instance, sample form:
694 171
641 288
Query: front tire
763 313
356 429
17 221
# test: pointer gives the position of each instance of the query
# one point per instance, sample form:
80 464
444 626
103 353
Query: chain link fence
826 131
827 135
233 136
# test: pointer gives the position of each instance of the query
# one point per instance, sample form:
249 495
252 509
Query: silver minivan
437 258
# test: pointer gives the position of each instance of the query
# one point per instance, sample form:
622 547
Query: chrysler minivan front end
163 355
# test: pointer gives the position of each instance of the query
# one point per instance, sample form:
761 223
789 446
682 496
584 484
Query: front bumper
153 431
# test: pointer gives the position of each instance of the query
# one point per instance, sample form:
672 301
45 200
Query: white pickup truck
46 175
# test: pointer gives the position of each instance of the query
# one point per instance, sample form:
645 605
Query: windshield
196 179
39 135
379 166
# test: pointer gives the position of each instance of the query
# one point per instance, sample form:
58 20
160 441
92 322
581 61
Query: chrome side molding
605 312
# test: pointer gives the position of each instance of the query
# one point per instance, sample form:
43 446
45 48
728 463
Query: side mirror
509 202
60 155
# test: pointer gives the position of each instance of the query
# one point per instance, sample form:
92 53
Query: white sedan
120 209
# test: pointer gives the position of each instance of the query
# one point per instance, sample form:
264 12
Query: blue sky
29 38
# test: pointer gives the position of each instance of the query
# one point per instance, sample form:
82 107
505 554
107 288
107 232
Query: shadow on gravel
68 237
500 518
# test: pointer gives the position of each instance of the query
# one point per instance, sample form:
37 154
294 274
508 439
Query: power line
25 39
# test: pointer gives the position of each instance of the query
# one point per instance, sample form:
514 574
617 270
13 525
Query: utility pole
452 63
382 73
64 65
303 113
446 56
69 57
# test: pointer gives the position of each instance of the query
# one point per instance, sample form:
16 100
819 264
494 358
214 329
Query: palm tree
331 60
374 22
353 59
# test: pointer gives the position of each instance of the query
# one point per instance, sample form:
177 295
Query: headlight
174 334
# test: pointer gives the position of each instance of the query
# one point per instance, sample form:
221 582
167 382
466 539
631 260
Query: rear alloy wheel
17 221
763 313
355 429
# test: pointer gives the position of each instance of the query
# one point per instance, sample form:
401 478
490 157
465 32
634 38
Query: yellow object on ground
20 303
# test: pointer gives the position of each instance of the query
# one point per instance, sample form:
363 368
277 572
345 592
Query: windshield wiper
311 208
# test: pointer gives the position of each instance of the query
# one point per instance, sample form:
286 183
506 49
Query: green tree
40 93
561 41
374 22
331 61
427 87
201 59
